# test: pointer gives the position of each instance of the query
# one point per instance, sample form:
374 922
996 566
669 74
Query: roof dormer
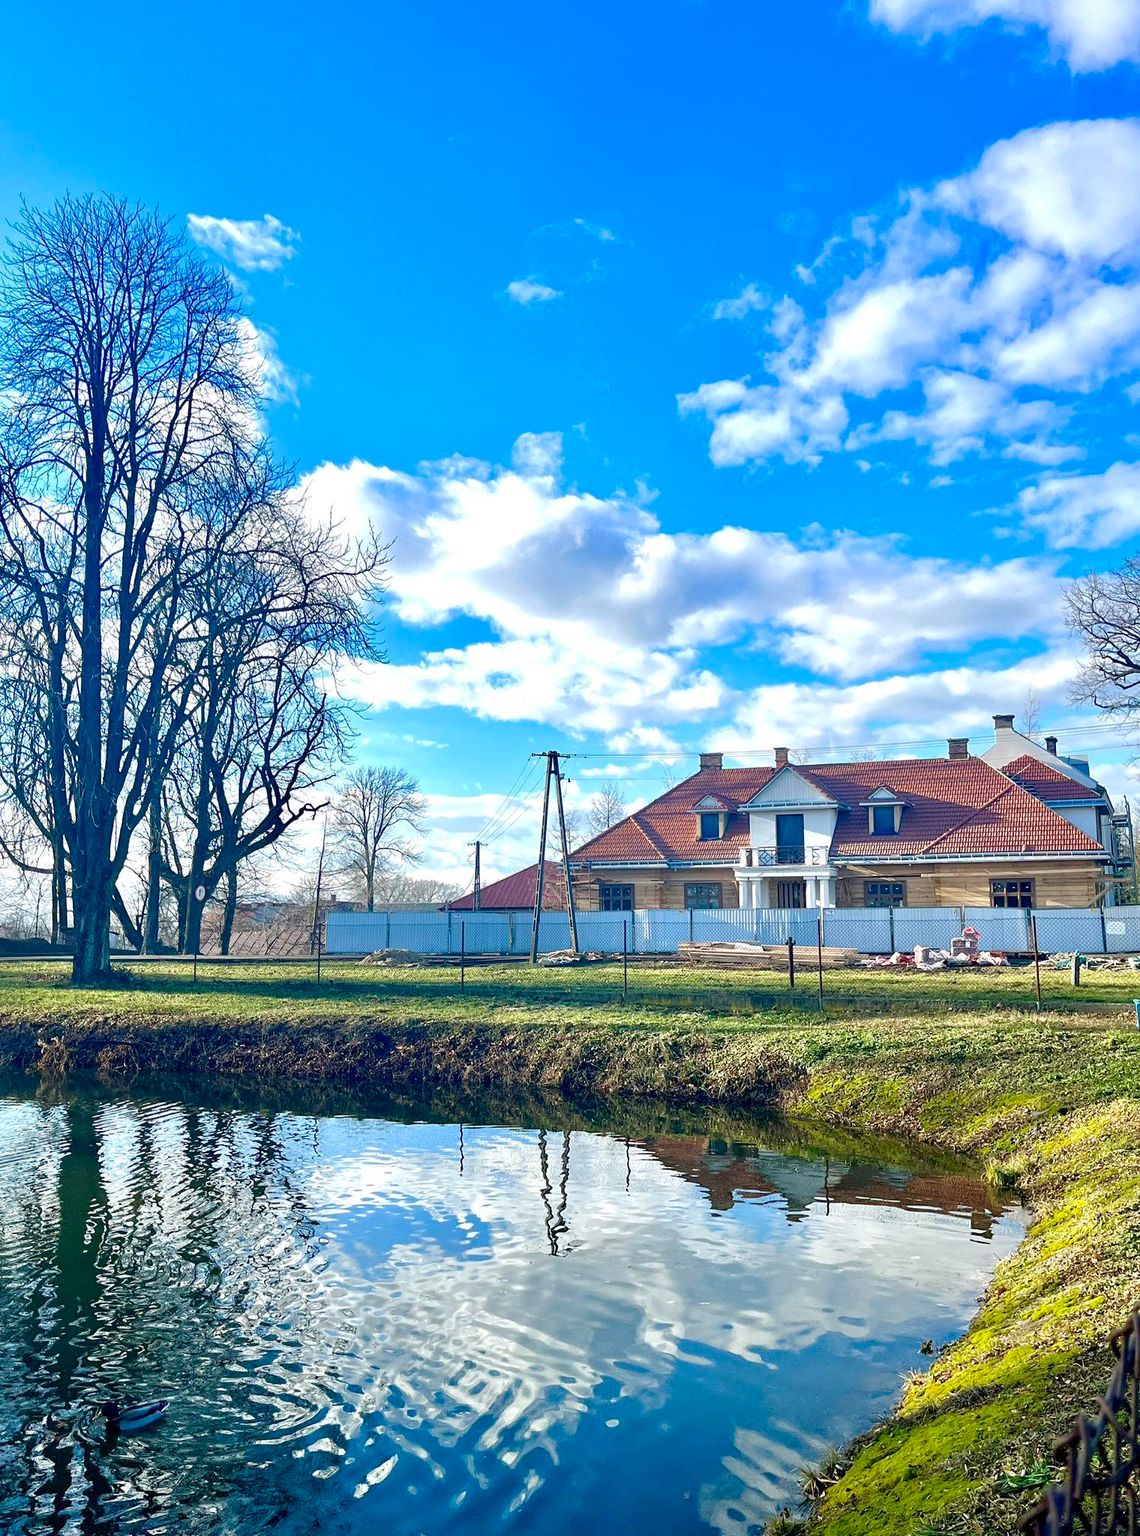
712 813
884 811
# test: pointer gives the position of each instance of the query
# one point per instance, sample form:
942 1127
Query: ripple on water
358 1326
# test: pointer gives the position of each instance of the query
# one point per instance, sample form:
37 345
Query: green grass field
656 993
1049 1102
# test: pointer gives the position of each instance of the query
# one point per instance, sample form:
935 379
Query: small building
515 893
1031 830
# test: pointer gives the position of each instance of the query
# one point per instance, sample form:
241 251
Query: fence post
891 914
819 952
624 958
1036 957
449 930
791 964
388 929
691 925
1103 931
462 956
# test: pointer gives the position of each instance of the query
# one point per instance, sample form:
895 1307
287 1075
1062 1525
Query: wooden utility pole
570 912
477 899
541 880
553 772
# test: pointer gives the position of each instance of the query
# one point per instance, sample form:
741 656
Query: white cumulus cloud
1085 511
972 321
528 290
1089 34
254 245
597 618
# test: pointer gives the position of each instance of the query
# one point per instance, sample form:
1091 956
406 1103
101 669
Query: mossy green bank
1050 1103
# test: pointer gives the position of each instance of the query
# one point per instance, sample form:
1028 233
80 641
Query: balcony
773 858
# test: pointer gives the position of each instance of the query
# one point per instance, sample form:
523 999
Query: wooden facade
1060 883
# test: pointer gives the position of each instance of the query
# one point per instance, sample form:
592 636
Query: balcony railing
765 858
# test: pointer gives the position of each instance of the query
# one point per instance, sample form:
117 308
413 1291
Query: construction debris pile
766 957
1097 962
964 950
557 957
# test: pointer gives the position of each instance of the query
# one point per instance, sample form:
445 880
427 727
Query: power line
500 819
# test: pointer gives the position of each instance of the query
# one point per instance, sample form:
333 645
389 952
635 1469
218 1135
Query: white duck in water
132 1417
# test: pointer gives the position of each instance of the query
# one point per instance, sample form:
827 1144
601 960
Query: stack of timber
765 957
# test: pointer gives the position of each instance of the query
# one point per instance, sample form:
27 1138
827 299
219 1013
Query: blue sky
727 374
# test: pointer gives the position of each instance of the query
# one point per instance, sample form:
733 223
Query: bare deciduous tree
1103 612
125 376
1031 712
368 815
606 809
167 614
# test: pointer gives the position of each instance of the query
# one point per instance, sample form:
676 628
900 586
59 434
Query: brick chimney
712 759
958 746
1002 723
781 757
1051 745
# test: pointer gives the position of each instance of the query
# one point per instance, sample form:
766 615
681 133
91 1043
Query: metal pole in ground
199 897
624 958
320 947
1036 957
791 963
462 956
819 952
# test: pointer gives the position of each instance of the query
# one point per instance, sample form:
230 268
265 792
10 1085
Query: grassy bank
1050 1103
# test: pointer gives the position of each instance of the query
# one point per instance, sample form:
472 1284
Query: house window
1011 893
884 893
616 898
703 897
883 820
710 826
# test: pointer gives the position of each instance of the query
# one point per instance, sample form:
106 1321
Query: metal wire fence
1099 1490
869 931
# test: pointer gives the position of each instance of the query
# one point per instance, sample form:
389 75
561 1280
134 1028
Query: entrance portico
768 885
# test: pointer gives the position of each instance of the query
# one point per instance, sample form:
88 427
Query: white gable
787 788
710 803
884 794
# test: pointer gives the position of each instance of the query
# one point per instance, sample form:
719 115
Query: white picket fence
871 931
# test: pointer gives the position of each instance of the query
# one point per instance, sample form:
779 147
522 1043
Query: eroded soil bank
1052 1108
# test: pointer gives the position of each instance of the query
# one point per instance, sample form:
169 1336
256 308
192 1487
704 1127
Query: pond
370 1320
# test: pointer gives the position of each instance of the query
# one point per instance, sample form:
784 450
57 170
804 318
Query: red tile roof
1046 782
953 806
516 892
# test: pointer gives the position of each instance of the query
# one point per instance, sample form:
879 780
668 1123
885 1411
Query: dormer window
884 812
712 818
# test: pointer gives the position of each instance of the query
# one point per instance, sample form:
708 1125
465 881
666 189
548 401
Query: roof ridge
650 836
1006 789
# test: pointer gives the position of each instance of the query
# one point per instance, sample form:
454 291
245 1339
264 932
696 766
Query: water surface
374 1323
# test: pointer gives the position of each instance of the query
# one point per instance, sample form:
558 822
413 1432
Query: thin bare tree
1031 712
606 809
368 815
